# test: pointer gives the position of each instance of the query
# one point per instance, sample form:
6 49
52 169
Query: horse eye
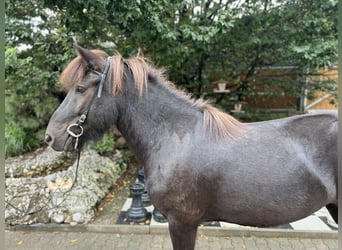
80 89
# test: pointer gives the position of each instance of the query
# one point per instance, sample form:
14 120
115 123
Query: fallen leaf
20 242
100 209
227 238
204 236
59 183
30 172
73 241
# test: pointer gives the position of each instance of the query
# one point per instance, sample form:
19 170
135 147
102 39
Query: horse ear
91 58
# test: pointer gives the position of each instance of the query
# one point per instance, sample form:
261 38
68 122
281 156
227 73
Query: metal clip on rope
73 134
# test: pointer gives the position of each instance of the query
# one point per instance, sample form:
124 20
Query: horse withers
200 164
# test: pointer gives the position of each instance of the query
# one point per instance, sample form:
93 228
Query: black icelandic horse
200 163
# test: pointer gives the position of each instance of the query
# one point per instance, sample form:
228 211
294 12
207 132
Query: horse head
88 109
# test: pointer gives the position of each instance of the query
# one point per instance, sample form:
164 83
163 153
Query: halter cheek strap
78 125
103 75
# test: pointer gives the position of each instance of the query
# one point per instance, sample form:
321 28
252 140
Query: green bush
29 102
14 140
105 145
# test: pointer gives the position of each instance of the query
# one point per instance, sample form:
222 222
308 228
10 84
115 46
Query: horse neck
160 113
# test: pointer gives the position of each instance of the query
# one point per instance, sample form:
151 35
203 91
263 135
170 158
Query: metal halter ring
72 133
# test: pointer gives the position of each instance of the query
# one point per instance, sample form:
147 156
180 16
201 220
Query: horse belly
263 200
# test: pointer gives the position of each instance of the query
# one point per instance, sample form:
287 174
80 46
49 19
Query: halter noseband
83 117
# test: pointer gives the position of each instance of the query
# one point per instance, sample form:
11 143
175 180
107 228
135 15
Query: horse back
318 134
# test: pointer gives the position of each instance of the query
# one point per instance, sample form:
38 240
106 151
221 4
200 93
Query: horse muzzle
60 141
66 144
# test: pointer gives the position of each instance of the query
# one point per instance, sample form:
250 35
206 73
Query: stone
78 218
38 163
58 218
55 192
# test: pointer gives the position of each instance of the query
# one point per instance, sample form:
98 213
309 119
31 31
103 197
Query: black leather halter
78 125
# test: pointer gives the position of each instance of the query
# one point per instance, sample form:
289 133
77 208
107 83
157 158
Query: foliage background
197 41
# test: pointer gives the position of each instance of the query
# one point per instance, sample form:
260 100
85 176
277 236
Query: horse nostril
48 139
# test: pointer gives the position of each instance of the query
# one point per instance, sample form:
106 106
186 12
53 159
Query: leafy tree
197 41
31 74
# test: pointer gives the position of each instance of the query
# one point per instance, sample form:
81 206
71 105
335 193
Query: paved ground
36 240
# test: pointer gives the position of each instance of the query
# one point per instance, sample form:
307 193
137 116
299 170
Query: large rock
38 163
58 197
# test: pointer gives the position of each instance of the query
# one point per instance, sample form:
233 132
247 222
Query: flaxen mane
217 123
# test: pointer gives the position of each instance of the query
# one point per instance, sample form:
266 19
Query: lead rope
43 208
76 136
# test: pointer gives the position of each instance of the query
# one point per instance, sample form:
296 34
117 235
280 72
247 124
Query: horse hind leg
183 236
333 210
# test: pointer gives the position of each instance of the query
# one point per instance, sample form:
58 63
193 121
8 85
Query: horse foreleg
183 236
